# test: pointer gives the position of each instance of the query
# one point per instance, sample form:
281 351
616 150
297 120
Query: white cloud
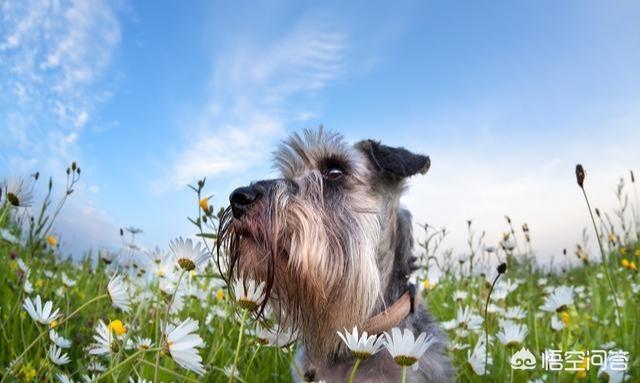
52 56
246 115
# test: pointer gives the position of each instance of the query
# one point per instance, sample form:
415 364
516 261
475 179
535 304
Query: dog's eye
333 174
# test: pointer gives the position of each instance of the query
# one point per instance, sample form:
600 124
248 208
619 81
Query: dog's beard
318 264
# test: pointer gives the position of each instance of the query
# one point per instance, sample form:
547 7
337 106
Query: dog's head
321 235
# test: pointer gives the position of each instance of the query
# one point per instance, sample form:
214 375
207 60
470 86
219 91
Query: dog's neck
394 262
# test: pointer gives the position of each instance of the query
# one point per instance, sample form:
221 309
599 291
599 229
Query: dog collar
393 315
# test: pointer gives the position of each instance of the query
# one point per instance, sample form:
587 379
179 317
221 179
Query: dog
334 248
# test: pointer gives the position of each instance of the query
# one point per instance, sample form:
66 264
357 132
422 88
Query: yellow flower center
186 264
360 355
220 295
117 327
53 324
632 266
13 199
624 263
247 304
52 241
404 360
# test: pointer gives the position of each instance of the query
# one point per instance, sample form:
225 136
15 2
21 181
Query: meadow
143 315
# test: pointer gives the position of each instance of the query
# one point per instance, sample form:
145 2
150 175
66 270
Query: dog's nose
241 199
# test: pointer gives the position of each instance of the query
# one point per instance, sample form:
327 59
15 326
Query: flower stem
127 360
163 334
604 259
354 369
90 301
235 358
404 374
486 322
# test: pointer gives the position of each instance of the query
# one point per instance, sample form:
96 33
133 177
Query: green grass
590 320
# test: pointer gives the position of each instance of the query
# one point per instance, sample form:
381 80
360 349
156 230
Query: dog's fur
334 253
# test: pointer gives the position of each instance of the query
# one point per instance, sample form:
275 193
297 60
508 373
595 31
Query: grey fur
361 253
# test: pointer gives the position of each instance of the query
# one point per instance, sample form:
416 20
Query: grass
447 286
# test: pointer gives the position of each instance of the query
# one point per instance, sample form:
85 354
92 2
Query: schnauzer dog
334 248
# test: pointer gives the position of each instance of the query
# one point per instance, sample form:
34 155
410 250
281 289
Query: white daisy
515 312
89 378
274 337
512 334
62 378
405 349
556 323
139 380
362 346
96 366
248 294
7 236
59 340
612 375
28 287
104 340
18 192
119 294
38 313
229 371
460 295
478 360
464 321
143 343
189 257
558 300
181 344
67 281
57 357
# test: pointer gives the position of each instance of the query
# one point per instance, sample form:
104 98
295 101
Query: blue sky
148 96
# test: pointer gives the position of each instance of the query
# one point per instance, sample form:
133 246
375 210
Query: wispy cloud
52 56
250 107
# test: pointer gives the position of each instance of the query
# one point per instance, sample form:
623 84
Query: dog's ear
398 162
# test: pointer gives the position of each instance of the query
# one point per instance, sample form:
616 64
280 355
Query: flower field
145 315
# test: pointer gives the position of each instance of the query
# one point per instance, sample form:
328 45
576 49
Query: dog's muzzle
244 197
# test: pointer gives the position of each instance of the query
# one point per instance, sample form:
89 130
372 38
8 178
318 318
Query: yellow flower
427 285
632 266
204 204
39 283
564 316
28 372
582 366
53 324
220 295
625 263
52 241
117 327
